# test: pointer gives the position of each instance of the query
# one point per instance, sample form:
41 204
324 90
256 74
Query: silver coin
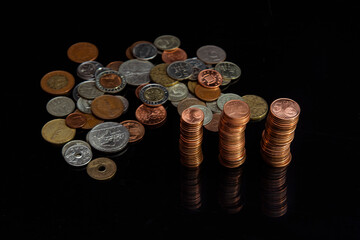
60 106
208 115
136 72
115 79
197 65
228 70
224 98
189 95
86 70
84 105
72 143
213 106
100 70
75 93
125 102
179 70
211 54
178 92
89 90
154 94
78 155
144 51
109 137
167 42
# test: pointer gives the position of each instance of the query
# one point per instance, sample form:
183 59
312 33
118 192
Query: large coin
110 81
60 106
159 75
55 131
228 70
136 72
107 107
178 92
258 107
211 54
109 137
57 82
167 42
82 52
179 70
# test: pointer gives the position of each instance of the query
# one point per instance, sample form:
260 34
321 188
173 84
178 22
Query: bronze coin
207 94
110 80
57 132
91 120
114 65
101 168
210 78
57 82
285 108
82 51
136 130
213 125
192 115
236 109
150 115
75 120
107 107
177 54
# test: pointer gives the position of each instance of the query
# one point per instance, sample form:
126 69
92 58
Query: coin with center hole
101 168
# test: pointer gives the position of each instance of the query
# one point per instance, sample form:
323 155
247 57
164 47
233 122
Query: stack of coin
191 135
235 116
279 132
209 82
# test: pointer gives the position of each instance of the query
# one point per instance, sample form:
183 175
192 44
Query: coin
89 90
78 155
179 70
144 51
55 131
82 52
285 108
109 137
114 65
91 120
110 81
213 106
101 168
207 113
138 89
197 65
84 105
86 70
207 94
191 86
159 75
107 107
170 56
60 106
167 42
153 94
213 125
129 50
211 54
136 130
187 102
228 70
57 82
224 98
71 143
178 92
75 120
124 101
209 78
136 72
258 107
150 116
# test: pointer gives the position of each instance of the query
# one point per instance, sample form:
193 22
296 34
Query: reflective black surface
301 53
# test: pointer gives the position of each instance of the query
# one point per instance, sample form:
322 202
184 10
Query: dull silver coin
211 54
144 51
179 70
224 98
89 90
86 70
60 106
136 72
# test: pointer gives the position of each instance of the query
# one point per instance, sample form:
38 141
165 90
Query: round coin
82 52
170 56
144 51
55 131
78 155
136 130
114 65
228 70
136 72
285 108
86 70
208 115
84 105
213 125
258 107
101 168
107 107
150 115
110 81
167 42
89 90
187 102
178 92
210 78
159 75
60 106
211 54
179 70
57 82
153 94
227 97
207 94
75 120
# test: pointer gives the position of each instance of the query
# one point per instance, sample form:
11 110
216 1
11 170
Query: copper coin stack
279 132
235 116
191 135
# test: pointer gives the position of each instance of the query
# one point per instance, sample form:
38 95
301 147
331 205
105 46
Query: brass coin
101 168
56 131
82 51
258 107
191 86
207 94
159 75
57 82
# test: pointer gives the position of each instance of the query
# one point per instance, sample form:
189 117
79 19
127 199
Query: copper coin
187 102
192 115
210 78
285 108
150 115
82 51
91 120
101 168
136 130
236 109
110 80
114 65
57 82
107 107
75 120
138 89
213 125
169 56
207 94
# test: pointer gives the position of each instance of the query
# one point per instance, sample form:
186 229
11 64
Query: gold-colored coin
101 168
159 75
191 86
57 132
258 107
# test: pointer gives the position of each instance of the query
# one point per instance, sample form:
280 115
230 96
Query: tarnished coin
129 50
228 70
109 137
211 54
151 116
136 72
82 52
167 42
101 168
57 82
178 54
110 81
144 51
153 94
187 102
179 70
84 105
89 90
60 106
224 98
91 120
136 130
75 120
191 86
258 107
207 113
86 70
55 131
159 75
107 107
78 155
178 92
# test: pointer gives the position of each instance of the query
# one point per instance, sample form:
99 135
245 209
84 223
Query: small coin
91 120
210 78
224 98
107 107
101 168
84 105
285 108
211 54
228 70
129 50
110 81
170 56
136 130
197 65
114 65
193 116
144 51
71 143
167 42
213 125
150 116
178 92
159 75
78 155
89 90
207 113
179 70
191 86
187 102
136 72
60 106
153 94
55 131
258 107
75 120
86 70
82 52
57 82
207 94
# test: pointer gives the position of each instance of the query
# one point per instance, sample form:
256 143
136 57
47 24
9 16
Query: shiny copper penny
75 120
150 115
101 168
169 56
57 82
136 130
207 94
107 107
192 115
285 108
82 51
210 78
236 109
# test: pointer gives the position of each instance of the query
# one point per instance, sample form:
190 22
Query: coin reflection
190 190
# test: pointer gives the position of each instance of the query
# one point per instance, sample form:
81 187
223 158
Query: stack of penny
191 135
279 132
235 116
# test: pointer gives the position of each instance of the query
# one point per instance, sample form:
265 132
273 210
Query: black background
304 52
